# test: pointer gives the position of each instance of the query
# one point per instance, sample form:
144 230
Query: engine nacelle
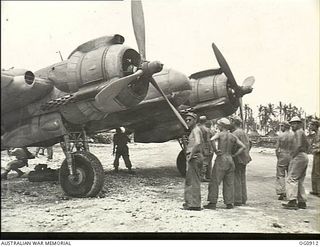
93 62
17 78
20 87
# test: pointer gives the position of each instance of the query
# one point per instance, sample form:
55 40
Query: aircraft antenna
60 55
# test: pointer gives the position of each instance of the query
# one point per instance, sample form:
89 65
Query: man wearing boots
241 161
194 157
120 148
297 168
283 148
22 155
223 169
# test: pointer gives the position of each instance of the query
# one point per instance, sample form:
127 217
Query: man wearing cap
223 169
192 189
283 148
297 168
207 149
120 148
241 161
315 149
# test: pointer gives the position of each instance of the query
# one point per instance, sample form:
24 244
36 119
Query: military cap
202 119
315 122
285 123
191 114
223 121
295 119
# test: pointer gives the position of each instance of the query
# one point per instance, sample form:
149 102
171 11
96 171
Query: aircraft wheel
182 163
88 179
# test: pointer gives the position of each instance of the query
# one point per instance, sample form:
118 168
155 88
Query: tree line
270 115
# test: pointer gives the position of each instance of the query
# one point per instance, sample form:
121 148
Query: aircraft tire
182 163
90 176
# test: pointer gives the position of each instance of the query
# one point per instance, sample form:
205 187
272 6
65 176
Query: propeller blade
225 67
107 93
248 82
137 17
180 118
241 109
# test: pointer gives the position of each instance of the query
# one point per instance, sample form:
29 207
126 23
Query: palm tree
248 118
285 112
280 108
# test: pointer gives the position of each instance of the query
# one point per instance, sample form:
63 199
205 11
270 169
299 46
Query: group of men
231 146
291 151
232 156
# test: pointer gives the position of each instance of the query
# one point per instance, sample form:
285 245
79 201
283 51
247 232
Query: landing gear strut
181 159
81 173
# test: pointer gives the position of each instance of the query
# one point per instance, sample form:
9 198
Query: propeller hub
244 90
150 68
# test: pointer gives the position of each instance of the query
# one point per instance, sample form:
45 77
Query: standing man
241 161
207 149
194 157
315 148
297 168
223 169
283 152
22 155
120 148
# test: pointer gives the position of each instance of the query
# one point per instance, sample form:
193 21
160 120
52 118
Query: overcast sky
275 41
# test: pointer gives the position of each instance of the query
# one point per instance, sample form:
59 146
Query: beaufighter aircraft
102 85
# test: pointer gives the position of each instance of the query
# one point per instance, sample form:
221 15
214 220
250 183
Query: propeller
246 85
138 26
139 32
102 99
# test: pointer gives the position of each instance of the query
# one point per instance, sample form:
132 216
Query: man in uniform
315 148
22 155
194 157
120 148
241 161
223 169
207 149
297 168
283 148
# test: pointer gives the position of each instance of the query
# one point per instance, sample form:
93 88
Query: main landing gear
81 173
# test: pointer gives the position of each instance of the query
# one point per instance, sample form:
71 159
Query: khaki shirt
19 153
206 145
195 138
315 143
244 157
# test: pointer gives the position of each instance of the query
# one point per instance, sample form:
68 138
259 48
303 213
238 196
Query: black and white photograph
158 119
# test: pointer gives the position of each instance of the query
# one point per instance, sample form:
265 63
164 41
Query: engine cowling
93 62
20 87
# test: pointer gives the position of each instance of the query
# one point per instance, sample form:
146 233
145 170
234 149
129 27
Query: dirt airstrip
149 200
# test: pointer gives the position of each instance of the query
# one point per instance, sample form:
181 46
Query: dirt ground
150 200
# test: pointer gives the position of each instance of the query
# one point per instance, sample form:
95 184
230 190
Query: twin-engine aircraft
102 85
